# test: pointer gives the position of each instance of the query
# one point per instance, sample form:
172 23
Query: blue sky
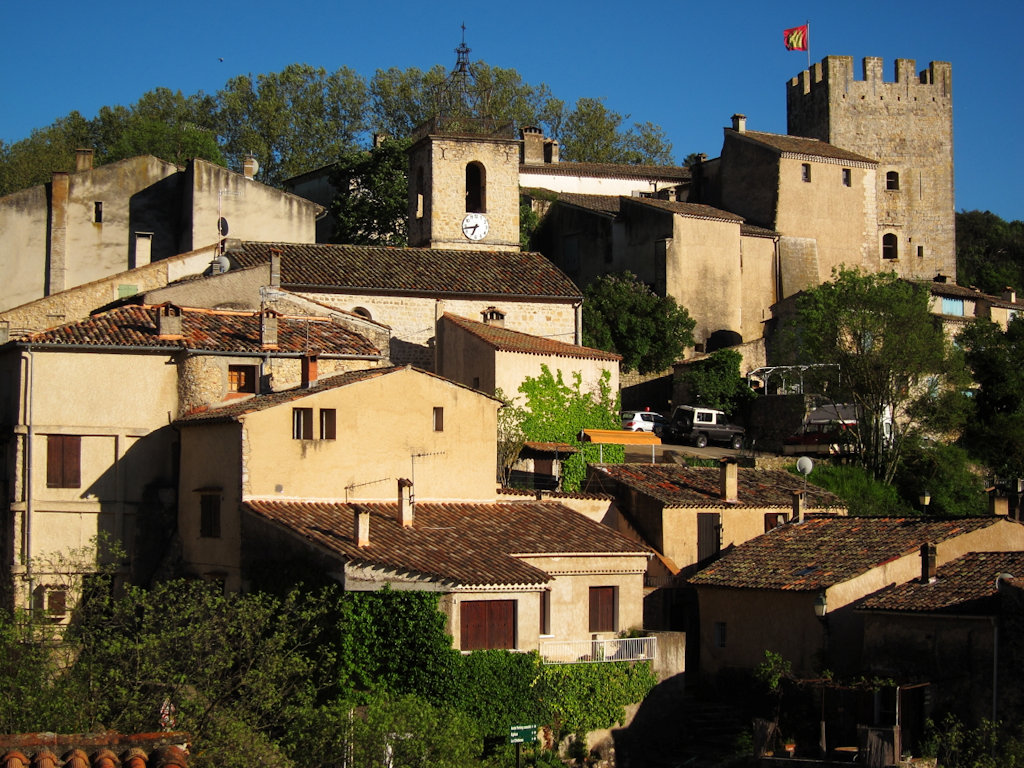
686 66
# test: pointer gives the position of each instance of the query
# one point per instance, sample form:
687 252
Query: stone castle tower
907 125
464 171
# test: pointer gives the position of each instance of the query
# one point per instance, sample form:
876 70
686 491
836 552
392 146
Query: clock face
475 226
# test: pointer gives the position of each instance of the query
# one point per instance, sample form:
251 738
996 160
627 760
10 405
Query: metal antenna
360 485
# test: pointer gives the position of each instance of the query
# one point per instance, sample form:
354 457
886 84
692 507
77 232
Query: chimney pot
1009 294
729 480
927 563
405 509
309 370
739 123
268 329
798 506
168 322
83 160
250 166
533 146
362 527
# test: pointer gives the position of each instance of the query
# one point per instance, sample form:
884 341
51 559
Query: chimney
250 166
927 563
729 480
739 123
83 160
168 321
268 328
56 276
1009 294
143 248
275 268
551 151
405 508
798 506
939 278
533 146
362 527
998 504
309 370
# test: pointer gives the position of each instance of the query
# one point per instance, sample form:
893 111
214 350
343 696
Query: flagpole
808 23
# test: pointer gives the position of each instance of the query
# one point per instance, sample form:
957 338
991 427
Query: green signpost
520 734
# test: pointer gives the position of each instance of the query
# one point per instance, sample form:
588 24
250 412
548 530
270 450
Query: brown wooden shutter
602 609
708 524
63 461
488 624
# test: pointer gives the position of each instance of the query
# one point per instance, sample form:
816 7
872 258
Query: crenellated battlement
837 72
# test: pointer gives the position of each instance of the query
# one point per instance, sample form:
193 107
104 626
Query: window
328 424
805 170
302 423
545 612
890 247
954 307
63 461
97 212
705 418
920 251
892 180
419 193
774 520
847 177
209 516
487 624
602 609
363 312
719 634
476 188
439 419
242 378
52 599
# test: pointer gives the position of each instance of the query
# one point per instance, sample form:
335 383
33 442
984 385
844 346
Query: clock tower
464 174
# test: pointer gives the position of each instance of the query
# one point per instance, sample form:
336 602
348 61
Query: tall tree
989 251
294 120
371 206
621 314
593 133
878 330
33 160
996 359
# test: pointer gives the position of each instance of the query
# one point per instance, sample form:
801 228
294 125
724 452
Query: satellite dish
222 226
804 466
223 263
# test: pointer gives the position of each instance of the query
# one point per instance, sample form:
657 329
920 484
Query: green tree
989 251
715 381
621 314
945 472
558 412
996 359
510 435
864 495
371 206
877 328
33 160
593 133
294 120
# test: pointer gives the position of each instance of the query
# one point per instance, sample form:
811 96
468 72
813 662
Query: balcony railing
593 651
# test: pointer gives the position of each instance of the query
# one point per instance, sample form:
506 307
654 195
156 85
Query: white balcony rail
593 651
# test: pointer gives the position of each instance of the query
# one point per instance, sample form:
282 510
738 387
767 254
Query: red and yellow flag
795 38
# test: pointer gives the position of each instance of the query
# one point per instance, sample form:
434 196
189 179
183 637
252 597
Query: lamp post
925 498
820 605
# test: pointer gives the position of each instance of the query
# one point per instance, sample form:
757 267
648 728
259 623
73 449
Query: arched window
890 246
476 188
362 312
892 180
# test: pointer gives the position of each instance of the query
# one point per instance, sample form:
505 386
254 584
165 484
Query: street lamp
925 498
820 605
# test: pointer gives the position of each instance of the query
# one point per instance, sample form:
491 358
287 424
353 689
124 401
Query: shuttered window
488 624
602 609
63 461
709 525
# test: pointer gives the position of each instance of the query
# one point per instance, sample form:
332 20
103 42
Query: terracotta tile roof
962 291
751 231
799 145
965 585
686 487
412 270
531 494
164 749
608 170
824 551
459 544
233 410
507 340
206 329
691 210
607 204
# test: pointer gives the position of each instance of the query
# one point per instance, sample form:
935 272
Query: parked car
644 421
700 426
827 431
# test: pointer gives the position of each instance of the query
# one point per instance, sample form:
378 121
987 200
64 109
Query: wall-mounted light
925 498
820 605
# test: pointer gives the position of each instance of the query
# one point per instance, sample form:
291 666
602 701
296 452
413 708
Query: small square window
439 419
209 516
920 251
302 423
805 170
328 424
242 378
847 177
719 634
892 180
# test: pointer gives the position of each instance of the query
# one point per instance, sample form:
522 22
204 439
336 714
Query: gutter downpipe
26 532
578 330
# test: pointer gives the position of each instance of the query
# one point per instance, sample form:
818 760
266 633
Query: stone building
97 222
907 126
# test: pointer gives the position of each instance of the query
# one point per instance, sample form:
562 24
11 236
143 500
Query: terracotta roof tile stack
166 749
